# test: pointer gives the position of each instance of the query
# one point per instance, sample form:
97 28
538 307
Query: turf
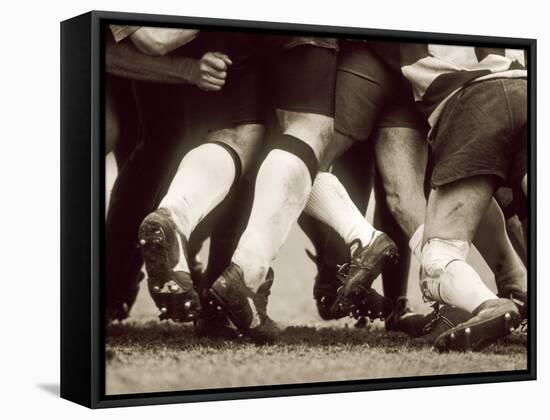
146 355
152 356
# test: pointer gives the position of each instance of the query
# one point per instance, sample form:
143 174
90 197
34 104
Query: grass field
146 355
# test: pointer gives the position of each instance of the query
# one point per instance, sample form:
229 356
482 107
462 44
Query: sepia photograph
291 208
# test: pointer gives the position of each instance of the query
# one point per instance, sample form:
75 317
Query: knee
322 127
245 140
315 130
240 137
336 145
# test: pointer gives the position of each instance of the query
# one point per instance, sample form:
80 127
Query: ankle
363 240
180 219
253 266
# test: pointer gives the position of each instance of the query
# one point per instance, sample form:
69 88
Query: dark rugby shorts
370 95
482 131
302 79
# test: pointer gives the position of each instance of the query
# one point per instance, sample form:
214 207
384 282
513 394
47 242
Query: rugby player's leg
514 285
370 249
471 159
112 129
361 91
286 175
505 199
121 119
281 190
303 81
234 137
495 246
401 155
519 181
231 220
204 178
510 274
524 189
282 187
354 170
207 173
121 124
136 190
225 226
453 214
395 277
362 88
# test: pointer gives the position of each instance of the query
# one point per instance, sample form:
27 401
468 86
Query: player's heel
172 291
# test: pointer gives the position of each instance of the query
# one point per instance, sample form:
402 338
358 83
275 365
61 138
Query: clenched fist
210 71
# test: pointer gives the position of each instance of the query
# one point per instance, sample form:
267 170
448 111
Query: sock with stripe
282 187
202 181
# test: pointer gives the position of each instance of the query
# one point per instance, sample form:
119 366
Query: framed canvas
257 209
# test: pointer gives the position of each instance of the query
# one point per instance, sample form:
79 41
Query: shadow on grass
154 335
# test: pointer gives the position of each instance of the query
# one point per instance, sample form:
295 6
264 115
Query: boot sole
479 334
225 310
355 294
158 264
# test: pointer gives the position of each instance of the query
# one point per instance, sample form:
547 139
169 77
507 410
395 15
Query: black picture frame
83 203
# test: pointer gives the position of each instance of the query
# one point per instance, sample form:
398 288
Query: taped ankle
438 253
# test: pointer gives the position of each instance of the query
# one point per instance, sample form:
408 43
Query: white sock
282 187
513 272
448 278
330 203
204 177
415 243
